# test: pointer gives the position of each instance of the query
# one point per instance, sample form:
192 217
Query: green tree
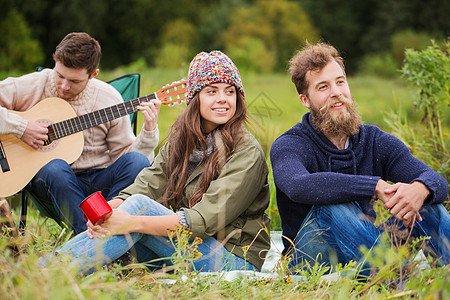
177 42
52 20
18 50
126 29
342 24
282 26
143 23
392 16
358 28
428 73
252 55
215 21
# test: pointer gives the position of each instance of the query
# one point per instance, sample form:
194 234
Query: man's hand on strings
35 134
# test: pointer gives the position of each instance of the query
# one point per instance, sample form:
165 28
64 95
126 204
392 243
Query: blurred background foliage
260 35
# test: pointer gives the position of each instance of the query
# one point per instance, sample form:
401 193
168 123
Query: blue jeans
334 234
58 185
152 250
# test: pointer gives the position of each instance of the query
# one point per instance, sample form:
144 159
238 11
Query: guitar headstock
173 93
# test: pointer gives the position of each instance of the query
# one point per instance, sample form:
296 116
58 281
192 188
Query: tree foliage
18 50
129 30
357 28
176 44
282 27
252 55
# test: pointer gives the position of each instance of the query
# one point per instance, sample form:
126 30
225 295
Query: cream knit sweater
103 144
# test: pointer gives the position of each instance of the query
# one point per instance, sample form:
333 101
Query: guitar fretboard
80 123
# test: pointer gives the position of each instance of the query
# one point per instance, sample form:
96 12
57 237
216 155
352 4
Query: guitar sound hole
48 146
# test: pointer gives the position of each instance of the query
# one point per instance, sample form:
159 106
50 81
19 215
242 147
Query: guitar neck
80 123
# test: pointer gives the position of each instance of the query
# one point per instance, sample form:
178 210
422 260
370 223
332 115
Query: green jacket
232 209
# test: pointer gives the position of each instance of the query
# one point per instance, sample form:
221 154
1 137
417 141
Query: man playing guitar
111 156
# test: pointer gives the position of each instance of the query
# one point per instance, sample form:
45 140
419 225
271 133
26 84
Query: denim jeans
334 234
58 185
152 250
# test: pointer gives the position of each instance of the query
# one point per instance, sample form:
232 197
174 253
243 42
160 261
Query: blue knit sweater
309 170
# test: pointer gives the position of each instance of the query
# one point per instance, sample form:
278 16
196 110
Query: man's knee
338 212
55 166
135 157
56 170
135 160
437 211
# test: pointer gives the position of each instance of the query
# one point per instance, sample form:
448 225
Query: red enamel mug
95 208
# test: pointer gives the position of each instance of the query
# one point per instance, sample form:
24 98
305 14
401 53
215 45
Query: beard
336 122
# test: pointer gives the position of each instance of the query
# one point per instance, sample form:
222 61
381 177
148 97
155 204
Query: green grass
22 277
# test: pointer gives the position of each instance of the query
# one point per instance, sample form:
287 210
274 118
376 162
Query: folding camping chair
129 87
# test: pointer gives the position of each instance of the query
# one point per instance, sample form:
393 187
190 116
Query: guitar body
66 134
24 161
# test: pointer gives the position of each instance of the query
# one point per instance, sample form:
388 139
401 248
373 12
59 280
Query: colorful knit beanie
209 68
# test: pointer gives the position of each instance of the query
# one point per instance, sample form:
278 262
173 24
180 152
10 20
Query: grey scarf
198 154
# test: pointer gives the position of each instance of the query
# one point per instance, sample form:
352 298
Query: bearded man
330 168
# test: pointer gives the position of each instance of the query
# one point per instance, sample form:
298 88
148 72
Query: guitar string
67 127
80 123
64 128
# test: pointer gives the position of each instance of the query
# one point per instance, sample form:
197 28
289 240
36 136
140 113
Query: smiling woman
210 177
217 105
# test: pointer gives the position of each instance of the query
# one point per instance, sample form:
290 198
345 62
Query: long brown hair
186 135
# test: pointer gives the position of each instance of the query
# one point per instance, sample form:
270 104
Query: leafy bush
428 72
18 50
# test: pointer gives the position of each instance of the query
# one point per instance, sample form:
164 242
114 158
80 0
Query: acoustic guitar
19 162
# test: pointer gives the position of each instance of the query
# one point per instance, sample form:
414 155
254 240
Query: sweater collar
340 161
